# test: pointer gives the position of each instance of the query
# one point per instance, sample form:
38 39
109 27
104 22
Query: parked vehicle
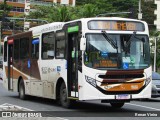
1 64
155 84
1 74
1 69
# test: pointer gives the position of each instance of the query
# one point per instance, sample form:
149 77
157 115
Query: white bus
105 59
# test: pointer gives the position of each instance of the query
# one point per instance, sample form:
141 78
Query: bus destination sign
116 25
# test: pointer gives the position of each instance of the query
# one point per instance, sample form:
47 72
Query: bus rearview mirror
83 44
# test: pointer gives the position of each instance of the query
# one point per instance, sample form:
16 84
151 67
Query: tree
40 12
88 10
148 14
154 35
51 13
4 10
63 13
82 2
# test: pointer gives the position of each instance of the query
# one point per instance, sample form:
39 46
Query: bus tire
117 105
22 90
64 101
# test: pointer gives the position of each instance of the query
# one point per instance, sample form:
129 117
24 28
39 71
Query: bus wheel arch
58 85
19 79
21 89
65 102
61 94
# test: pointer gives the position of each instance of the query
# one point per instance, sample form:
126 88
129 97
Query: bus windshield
131 52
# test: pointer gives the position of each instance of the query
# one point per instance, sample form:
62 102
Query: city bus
101 58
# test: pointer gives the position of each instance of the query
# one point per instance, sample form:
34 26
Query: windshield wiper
131 38
106 36
129 41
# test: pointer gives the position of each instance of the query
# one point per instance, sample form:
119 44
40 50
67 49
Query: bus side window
60 45
48 41
24 48
60 48
16 49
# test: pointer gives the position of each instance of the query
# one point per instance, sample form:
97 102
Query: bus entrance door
10 66
72 72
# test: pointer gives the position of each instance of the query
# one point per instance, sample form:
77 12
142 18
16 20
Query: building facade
21 7
157 13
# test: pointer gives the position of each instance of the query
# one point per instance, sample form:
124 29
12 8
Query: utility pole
140 11
155 52
156 12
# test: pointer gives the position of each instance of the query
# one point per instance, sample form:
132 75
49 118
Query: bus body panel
5 80
43 81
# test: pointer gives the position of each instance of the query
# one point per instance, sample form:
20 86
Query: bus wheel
65 102
117 105
22 90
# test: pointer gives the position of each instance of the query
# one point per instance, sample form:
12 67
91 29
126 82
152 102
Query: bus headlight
91 81
147 81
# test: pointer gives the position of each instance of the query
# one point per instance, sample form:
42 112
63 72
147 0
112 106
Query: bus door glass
35 73
72 57
10 66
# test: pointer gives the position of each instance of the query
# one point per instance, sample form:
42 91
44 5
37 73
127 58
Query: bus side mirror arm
83 44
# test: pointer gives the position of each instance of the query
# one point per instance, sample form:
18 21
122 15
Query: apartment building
21 7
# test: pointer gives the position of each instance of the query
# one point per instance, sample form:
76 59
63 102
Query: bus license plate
123 97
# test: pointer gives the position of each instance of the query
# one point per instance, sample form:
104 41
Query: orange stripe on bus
15 74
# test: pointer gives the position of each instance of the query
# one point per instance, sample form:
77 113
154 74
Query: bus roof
59 25
106 18
46 28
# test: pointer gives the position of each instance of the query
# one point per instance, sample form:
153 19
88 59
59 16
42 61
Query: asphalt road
90 110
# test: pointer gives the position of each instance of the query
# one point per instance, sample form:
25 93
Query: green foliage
92 8
4 9
63 14
39 12
51 13
156 34
148 14
88 10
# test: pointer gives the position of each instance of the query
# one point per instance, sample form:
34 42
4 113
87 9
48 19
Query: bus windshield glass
117 51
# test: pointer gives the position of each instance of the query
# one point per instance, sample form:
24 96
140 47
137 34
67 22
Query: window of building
18 9
48 41
19 1
16 49
24 48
